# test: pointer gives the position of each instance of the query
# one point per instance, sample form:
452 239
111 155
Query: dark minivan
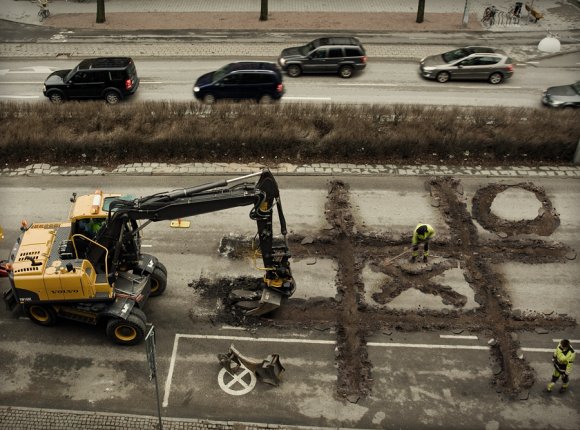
244 80
109 78
340 55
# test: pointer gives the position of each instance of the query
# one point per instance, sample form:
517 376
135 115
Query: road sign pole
150 348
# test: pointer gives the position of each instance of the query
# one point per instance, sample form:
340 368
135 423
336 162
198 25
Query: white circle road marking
237 379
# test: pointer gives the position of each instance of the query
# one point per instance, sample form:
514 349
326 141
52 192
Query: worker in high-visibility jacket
562 359
422 234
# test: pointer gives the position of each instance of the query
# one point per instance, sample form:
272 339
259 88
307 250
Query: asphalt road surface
444 376
382 82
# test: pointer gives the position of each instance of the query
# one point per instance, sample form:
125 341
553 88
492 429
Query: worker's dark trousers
425 249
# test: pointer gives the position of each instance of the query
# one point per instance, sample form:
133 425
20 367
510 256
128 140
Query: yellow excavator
91 268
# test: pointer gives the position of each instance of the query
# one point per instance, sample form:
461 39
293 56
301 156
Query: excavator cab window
89 227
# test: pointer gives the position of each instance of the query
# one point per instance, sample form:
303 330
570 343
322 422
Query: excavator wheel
41 315
161 266
126 332
139 314
158 281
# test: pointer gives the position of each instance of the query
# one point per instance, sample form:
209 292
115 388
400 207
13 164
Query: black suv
342 55
257 80
111 78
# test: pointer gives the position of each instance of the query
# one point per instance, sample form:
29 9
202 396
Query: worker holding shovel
422 234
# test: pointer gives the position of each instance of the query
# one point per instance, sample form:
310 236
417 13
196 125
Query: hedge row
92 133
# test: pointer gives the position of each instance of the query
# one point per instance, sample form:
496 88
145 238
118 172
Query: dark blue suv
244 80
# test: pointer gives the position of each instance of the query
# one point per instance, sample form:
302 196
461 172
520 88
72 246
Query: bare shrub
94 133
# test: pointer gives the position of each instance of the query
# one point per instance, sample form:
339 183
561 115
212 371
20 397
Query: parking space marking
320 342
237 380
218 337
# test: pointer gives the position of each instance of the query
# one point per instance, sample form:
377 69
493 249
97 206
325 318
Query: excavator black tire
41 314
161 266
158 281
139 314
126 332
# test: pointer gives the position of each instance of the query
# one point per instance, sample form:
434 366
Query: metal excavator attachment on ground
268 370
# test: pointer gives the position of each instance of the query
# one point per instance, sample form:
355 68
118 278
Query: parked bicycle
43 13
489 15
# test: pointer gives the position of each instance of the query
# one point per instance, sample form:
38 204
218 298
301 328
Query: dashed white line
19 97
367 85
454 336
307 98
538 349
426 346
229 327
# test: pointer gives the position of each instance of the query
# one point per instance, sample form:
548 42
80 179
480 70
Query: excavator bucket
269 301
269 370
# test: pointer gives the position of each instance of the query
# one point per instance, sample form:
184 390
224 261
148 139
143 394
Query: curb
315 169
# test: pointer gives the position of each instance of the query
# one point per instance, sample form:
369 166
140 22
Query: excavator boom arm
263 195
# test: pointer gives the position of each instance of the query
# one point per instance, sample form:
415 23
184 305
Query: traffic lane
380 82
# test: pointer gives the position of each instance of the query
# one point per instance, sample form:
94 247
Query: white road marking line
484 88
19 97
146 246
313 341
22 82
453 336
307 98
229 327
571 340
367 85
256 339
538 349
532 62
170 373
426 346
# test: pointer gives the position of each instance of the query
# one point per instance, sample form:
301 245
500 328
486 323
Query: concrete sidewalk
559 15
225 28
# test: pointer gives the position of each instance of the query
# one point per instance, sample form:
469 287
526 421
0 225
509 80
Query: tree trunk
421 11
100 11
264 10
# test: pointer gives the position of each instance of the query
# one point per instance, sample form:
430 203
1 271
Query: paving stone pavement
13 418
150 169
